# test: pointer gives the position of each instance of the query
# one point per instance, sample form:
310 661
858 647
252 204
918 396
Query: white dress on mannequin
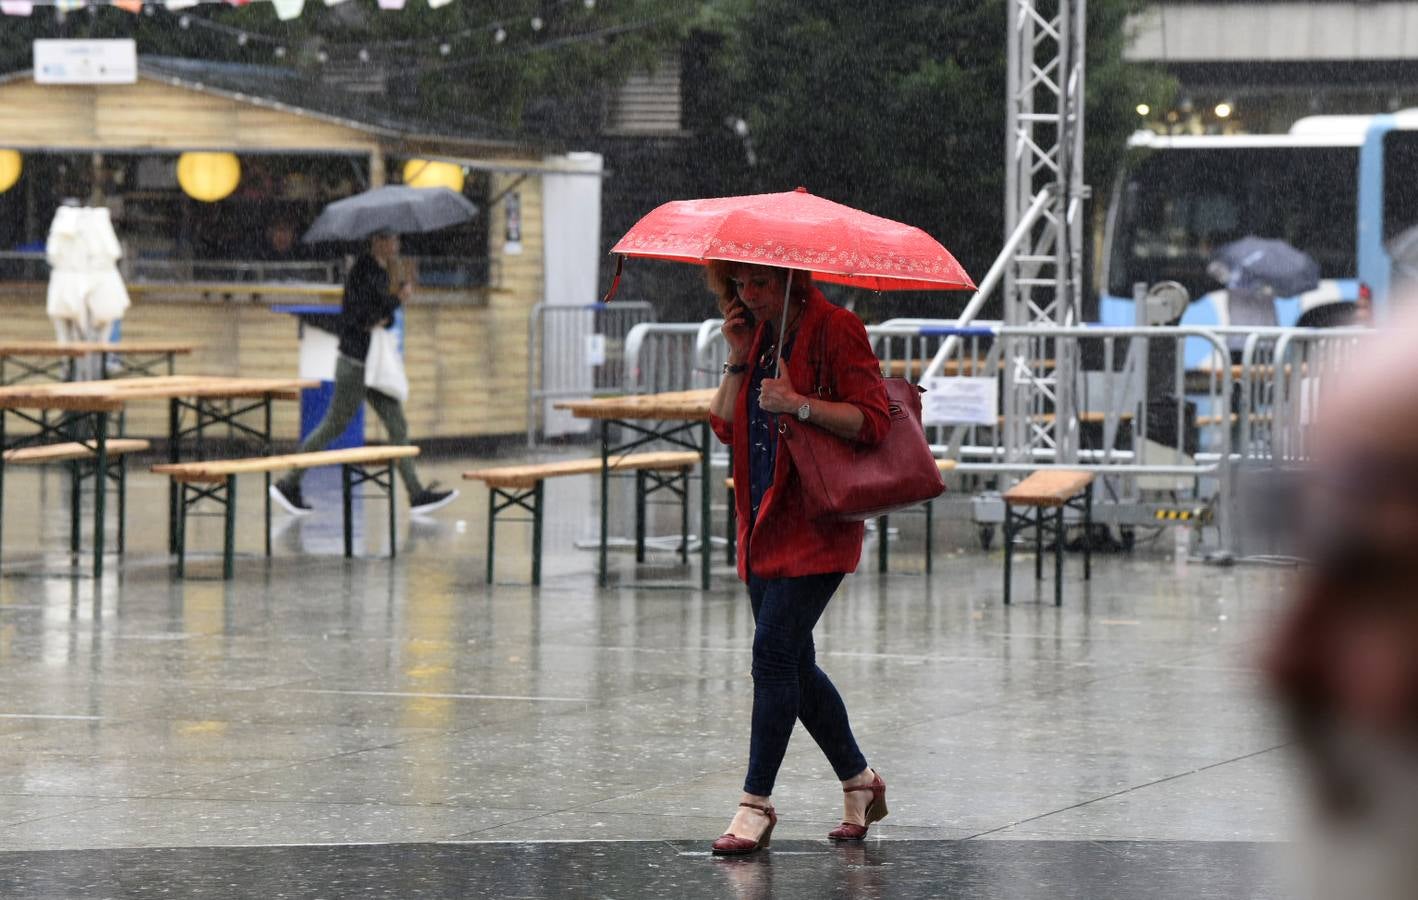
105 296
68 257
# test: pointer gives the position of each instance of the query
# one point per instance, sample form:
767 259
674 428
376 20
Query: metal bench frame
1052 526
223 493
647 482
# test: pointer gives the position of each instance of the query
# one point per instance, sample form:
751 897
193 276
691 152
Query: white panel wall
1258 32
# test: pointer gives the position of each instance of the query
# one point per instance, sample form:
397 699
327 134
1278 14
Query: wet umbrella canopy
1252 263
396 208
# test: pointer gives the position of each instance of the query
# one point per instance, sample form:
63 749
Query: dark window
1400 182
1179 206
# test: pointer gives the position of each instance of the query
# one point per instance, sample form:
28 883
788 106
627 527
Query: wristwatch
804 412
735 370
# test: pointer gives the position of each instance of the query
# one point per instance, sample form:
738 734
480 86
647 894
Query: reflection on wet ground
1117 742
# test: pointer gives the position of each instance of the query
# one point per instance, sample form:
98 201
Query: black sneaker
429 499
289 499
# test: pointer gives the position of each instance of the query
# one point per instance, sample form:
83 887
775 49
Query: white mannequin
86 292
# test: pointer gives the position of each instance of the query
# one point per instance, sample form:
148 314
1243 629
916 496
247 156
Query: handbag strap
821 355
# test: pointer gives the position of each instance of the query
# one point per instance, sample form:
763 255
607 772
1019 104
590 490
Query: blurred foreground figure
1345 661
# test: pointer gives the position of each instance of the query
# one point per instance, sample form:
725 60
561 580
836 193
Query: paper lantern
427 173
10 165
208 176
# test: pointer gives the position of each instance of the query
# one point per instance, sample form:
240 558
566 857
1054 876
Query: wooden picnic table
679 418
56 360
87 406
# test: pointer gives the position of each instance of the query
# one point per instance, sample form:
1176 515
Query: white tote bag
384 367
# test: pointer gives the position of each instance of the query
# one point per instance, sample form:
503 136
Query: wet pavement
323 727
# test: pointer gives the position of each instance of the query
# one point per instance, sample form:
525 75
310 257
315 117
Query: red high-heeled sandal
730 844
875 812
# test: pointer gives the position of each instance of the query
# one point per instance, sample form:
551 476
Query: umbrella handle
615 282
783 326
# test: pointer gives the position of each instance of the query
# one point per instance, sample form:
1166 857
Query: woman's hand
778 396
738 333
406 292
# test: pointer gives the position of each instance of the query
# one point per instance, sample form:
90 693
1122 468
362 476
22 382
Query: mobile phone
748 317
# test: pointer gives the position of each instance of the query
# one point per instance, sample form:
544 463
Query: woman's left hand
778 396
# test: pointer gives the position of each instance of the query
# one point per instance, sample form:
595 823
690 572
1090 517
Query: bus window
1400 182
1179 206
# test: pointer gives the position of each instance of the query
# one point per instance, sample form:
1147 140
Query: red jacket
785 543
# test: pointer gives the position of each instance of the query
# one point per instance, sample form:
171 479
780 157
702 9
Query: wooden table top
111 394
688 406
54 348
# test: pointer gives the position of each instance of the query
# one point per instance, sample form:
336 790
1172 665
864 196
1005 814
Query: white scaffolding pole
1043 276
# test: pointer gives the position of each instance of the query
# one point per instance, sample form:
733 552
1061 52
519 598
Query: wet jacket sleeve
723 428
367 298
856 375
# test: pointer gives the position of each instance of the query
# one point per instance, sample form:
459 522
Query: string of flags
285 9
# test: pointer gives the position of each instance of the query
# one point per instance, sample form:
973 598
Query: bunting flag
68 5
180 4
16 7
132 6
391 4
333 2
435 4
288 9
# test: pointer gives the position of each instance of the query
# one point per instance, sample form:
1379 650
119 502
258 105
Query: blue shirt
762 432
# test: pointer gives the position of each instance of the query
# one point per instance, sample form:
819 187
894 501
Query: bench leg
1088 530
706 546
1058 555
393 509
1039 543
347 508
75 497
1008 548
122 506
266 451
883 526
732 532
100 487
930 536
602 560
179 526
492 495
229 537
640 515
684 481
537 534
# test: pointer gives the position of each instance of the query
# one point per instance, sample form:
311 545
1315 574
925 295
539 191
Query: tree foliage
899 108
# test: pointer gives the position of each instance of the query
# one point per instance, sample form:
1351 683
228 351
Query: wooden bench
521 486
1044 490
882 553
215 479
77 453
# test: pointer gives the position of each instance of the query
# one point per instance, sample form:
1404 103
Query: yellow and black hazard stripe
1180 515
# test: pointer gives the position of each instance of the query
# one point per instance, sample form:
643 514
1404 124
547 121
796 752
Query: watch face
804 412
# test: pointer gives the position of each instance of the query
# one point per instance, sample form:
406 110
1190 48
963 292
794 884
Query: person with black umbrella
367 304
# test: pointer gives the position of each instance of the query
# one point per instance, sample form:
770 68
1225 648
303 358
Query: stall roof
453 134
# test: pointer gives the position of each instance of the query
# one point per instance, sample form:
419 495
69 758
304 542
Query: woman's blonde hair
720 274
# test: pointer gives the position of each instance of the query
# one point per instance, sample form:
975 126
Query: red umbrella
797 230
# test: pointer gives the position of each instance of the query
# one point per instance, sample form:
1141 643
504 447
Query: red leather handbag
843 479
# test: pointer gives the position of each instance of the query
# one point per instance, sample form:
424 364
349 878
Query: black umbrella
396 208
1254 262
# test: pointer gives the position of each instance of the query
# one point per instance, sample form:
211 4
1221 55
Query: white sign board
961 401
85 62
596 349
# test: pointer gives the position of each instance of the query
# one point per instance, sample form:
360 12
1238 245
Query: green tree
899 108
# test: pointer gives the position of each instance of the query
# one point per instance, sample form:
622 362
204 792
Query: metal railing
577 351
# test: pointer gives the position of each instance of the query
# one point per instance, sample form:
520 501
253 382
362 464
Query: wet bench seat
215 479
520 486
1040 494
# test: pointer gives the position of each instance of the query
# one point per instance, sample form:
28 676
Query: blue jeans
788 685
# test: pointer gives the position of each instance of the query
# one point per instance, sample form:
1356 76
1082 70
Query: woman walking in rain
792 563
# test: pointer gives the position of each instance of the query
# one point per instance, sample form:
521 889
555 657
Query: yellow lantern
427 173
10 165
208 176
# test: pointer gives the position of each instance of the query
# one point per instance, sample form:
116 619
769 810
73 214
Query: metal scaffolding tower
1044 210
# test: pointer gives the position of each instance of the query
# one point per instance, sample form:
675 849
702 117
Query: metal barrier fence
674 356
576 351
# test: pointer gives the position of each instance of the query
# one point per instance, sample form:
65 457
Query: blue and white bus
1341 188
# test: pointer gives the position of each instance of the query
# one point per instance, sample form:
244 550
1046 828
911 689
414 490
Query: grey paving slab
317 700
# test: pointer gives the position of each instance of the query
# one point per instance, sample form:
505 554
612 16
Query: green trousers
350 392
